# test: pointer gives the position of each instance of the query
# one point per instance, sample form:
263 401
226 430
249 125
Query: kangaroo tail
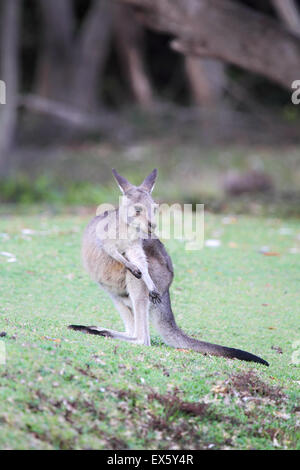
164 321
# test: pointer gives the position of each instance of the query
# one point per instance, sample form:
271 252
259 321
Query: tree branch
10 28
59 24
227 31
129 39
287 10
105 122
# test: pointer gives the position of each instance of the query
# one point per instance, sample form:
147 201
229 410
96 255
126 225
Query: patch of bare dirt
248 386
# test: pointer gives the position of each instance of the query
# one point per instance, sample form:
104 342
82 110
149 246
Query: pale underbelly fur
104 270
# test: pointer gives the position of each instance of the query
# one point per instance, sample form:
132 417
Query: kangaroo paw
135 271
154 297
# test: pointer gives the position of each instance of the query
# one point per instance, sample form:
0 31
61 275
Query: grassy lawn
61 389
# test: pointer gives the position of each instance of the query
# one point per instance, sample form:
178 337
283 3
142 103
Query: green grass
82 175
60 389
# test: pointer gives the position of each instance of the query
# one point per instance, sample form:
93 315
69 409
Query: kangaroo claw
136 272
155 297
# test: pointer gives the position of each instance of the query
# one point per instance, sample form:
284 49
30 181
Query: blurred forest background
201 89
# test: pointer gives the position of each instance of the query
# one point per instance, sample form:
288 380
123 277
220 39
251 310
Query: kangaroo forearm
116 255
148 281
146 276
141 263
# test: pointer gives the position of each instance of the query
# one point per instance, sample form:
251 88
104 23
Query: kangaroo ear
149 182
124 185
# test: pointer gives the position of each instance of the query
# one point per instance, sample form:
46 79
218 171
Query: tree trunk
91 47
207 80
227 31
11 12
71 64
54 70
288 11
129 38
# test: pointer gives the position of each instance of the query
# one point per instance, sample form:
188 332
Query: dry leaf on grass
271 253
277 349
212 243
55 340
282 415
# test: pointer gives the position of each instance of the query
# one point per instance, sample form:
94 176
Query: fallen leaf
282 415
272 328
183 350
219 389
275 442
27 231
232 245
212 243
11 258
8 255
229 220
277 349
55 340
270 253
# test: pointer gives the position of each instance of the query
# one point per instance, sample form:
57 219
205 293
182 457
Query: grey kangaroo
137 272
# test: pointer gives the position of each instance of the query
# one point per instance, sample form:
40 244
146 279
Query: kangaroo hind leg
127 317
139 296
126 313
100 331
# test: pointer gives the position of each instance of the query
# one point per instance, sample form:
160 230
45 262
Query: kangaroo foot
92 330
97 330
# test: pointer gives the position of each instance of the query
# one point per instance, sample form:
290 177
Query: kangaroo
136 271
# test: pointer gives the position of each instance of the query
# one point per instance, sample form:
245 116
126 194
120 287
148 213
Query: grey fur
137 274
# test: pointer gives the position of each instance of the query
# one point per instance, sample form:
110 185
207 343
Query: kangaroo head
137 208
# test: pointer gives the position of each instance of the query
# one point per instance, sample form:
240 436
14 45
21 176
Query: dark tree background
72 66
